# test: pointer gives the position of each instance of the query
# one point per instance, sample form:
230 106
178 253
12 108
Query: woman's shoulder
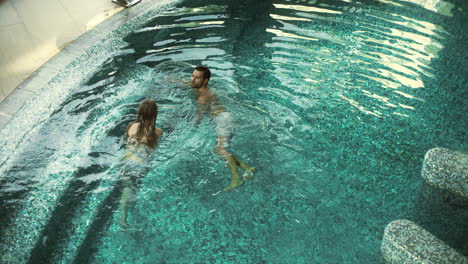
132 128
158 132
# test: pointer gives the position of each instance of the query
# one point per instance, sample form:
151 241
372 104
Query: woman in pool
142 137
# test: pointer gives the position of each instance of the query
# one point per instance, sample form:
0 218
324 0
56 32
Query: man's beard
195 86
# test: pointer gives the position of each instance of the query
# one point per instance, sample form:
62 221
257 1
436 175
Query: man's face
198 79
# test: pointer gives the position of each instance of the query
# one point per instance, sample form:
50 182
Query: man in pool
208 104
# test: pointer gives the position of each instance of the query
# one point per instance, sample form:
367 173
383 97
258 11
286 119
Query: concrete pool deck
87 27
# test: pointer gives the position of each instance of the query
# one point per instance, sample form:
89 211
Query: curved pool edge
72 65
33 100
47 71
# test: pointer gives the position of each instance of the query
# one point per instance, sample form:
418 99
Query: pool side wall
75 63
31 32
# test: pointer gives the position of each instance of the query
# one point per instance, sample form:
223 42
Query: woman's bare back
132 134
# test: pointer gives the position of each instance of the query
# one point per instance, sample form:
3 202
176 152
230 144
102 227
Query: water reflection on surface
331 100
441 7
391 50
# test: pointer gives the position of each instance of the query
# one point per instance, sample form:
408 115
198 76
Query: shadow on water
88 247
449 120
47 146
61 219
17 181
66 159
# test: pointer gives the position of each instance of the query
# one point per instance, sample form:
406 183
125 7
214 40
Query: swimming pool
336 104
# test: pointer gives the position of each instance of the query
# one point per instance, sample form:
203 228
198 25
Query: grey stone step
446 170
406 242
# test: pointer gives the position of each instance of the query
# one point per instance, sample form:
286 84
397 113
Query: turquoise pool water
336 104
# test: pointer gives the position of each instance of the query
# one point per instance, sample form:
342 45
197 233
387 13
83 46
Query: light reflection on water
329 100
441 7
403 55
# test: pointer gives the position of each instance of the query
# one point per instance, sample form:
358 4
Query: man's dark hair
205 70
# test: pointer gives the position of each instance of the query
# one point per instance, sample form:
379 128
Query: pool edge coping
34 101
39 102
45 74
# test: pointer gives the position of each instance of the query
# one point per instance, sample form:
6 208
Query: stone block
446 170
404 242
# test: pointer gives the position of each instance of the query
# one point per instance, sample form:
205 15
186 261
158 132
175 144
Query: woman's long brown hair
147 114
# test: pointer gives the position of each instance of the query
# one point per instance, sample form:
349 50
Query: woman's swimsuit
134 164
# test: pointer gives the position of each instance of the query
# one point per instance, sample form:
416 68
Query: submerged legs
127 199
123 205
233 162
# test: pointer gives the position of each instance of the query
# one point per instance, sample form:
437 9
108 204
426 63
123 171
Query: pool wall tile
38 79
3 120
14 102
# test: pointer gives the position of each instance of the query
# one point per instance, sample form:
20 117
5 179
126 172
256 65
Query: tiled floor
35 45
33 31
